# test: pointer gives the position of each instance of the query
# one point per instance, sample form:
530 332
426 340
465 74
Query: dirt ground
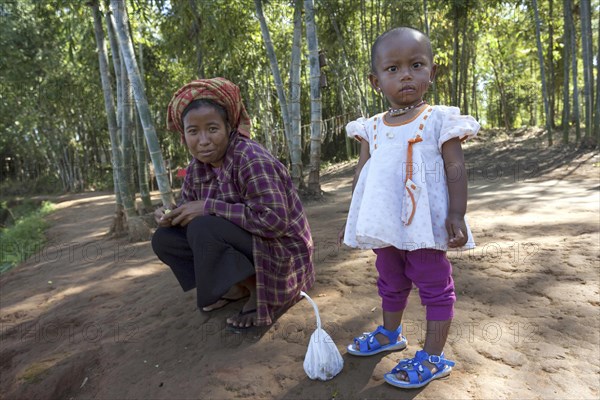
93 318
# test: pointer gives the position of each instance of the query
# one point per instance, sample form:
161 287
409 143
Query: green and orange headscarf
219 90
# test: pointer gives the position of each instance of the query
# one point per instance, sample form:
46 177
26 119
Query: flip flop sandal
368 345
418 374
238 329
225 302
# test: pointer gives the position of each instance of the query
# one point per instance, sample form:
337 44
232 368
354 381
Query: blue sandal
418 374
367 344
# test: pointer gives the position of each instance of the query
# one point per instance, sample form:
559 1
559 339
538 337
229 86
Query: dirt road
92 318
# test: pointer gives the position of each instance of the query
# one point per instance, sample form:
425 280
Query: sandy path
101 319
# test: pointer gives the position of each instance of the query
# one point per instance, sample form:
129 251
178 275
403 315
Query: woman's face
206 135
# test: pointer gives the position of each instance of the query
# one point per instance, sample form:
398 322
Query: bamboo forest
193 203
508 63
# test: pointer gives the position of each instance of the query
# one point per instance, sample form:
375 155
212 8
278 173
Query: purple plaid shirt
253 190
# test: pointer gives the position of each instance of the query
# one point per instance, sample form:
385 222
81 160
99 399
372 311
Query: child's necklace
394 112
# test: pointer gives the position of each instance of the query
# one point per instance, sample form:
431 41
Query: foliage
23 239
52 119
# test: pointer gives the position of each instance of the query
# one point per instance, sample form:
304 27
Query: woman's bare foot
244 319
247 316
237 292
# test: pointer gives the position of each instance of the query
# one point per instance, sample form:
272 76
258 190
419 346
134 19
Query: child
409 202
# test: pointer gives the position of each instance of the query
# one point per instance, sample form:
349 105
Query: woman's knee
204 227
160 238
211 231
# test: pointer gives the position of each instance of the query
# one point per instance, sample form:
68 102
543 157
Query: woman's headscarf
219 90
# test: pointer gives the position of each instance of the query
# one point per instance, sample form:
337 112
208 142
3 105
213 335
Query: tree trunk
566 63
114 50
275 71
542 71
196 33
379 101
366 48
464 71
314 185
475 109
573 43
109 105
122 173
295 111
551 90
503 101
378 14
588 79
347 140
352 70
140 145
141 102
127 191
436 99
597 118
267 115
456 30
363 26
142 165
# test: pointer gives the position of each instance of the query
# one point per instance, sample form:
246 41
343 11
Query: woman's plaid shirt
254 190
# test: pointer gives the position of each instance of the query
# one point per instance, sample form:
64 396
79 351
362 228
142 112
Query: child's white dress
375 218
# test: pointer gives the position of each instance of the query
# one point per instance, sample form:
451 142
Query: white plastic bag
323 360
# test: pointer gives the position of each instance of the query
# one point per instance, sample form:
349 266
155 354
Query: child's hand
341 235
457 230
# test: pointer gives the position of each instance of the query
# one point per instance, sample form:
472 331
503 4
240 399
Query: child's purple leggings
430 271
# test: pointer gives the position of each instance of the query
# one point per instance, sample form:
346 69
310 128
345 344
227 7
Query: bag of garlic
323 360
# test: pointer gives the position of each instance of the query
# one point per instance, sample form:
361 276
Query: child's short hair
393 31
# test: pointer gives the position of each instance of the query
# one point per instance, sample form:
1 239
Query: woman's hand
186 212
161 216
457 230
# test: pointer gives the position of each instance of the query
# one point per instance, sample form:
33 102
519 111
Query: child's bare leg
435 338
391 321
431 272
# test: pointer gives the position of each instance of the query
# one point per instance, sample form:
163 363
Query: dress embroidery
411 190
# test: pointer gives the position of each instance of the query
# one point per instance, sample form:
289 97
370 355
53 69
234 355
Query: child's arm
456 176
364 156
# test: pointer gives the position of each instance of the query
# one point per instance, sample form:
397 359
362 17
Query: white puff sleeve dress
375 218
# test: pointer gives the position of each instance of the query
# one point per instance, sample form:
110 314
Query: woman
239 228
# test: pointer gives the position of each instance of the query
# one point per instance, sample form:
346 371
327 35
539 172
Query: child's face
403 68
